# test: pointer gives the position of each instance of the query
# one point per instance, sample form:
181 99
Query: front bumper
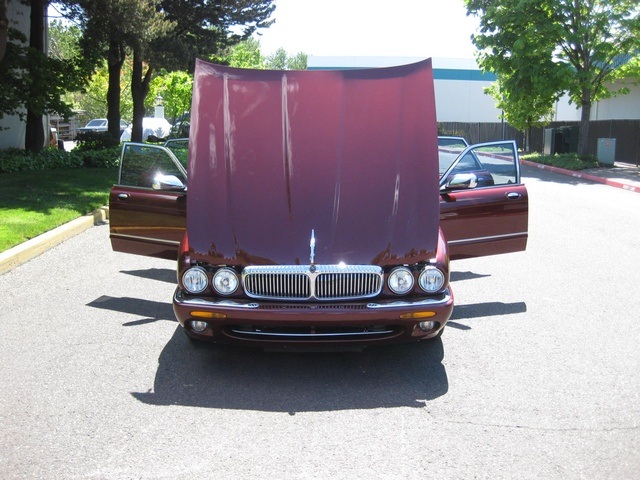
266 323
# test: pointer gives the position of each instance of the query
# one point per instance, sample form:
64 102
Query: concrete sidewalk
621 175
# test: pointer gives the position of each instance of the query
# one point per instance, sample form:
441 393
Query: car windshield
96 123
448 150
447 155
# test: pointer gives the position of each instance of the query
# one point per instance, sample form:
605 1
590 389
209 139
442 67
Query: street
536 376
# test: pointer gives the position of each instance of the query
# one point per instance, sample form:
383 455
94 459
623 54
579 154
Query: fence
626 133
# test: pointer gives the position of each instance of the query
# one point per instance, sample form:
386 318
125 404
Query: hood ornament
312 246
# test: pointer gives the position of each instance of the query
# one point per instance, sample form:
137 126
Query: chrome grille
317 282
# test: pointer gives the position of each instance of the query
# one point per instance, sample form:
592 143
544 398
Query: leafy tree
297 61
547 47
205 28
175 89
198 29
4 28
281 60
32 81
64 40
245 54
111 27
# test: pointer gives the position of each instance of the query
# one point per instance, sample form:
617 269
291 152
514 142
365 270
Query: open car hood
349 155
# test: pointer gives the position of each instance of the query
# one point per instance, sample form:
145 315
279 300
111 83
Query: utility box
566 139
549 144
560 140
607 150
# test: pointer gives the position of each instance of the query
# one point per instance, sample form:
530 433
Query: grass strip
35 202
568 161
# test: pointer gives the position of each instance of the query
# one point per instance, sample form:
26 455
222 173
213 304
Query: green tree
113 28
33 82
64 40
573 46
281 60
4 28
206 28
245 54
175 89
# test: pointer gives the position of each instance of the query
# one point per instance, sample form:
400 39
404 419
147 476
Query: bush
15 160
105 158
95 141
568 161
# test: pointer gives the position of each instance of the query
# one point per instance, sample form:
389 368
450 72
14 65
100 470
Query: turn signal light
414 315
200 314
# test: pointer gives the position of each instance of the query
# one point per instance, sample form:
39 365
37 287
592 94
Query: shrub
568 161
105 158
95 141
15 160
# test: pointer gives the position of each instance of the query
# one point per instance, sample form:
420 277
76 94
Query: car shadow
480 310
166 275
220 376
231 377
150 311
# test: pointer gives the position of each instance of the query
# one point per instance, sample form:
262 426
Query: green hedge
568 161
15 160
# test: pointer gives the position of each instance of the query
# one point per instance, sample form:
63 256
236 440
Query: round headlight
401 280
225 281
195 280
431 279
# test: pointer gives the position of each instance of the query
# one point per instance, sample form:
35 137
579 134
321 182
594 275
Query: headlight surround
225 281
400 280
431 279
195 280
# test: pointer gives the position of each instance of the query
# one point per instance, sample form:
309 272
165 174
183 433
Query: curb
584 176
19 254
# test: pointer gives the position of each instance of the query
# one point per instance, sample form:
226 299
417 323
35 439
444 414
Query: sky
403 28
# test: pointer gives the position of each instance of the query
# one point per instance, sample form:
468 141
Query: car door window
180 148
141 164
492 164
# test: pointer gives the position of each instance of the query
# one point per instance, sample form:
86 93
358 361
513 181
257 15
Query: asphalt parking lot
536 375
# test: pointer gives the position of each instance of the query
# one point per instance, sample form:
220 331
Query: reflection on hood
350 155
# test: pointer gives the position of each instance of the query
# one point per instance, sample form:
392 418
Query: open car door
147 207
483 204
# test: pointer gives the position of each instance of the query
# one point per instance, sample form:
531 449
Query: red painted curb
585 176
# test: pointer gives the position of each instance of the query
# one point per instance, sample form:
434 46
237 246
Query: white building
12 129
459 89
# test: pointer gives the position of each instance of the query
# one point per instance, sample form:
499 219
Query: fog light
198 326
427 326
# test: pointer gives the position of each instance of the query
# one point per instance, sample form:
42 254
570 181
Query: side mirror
167 182
461 181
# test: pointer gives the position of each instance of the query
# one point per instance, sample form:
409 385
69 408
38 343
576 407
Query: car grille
252 332
316 282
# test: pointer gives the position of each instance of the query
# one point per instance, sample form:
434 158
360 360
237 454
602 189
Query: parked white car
158 127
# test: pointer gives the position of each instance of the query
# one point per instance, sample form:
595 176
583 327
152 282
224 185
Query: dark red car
315 212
